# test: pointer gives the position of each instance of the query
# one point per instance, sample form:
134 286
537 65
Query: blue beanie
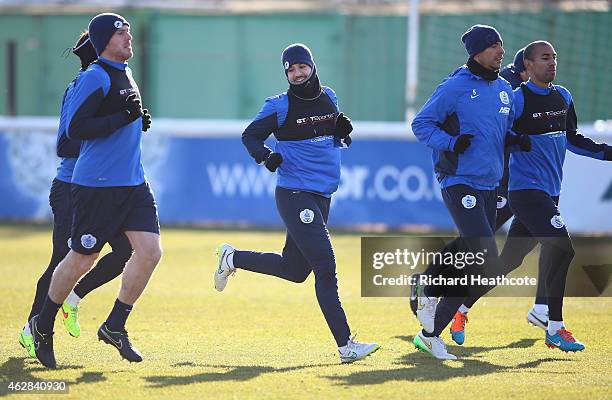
102 27
519 63
297 53
479 37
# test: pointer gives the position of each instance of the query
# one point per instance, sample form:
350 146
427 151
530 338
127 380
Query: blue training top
304 131
542 167
67 149
110 151
465 103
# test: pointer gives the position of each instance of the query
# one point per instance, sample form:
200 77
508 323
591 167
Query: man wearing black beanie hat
305 81
109 266
109 189
467 124
84 49
310 130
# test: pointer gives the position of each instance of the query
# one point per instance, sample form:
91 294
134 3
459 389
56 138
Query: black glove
146 120
343 126
133 107
346 141
462 143
273 161
524 142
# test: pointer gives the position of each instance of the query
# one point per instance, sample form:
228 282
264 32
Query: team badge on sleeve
307 216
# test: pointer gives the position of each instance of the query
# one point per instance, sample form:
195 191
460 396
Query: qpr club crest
503 96
307 216
88 241
468 201
557 222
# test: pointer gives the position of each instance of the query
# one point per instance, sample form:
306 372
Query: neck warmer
481 71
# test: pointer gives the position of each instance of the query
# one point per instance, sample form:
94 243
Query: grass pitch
266 338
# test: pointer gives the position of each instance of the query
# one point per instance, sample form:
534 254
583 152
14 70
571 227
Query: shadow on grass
237 373
467 351
21 369
420 367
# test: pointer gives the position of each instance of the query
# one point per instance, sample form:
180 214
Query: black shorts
102 212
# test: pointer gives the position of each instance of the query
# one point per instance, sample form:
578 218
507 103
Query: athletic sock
73 299
554 326
46 318
26 329
445 311
463 309
118 316
541 308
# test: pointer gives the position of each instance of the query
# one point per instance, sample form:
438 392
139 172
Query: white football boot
224 269
354 350
426 309
537 319
432 345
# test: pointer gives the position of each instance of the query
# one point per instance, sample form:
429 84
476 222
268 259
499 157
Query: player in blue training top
516 74
310 131
60 199
467 123
546 113
109 190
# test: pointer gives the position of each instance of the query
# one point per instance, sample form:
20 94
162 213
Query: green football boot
71 319
27 342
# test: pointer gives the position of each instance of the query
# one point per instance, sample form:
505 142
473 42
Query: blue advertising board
209 179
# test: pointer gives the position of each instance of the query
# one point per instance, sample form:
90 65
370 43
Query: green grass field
266 338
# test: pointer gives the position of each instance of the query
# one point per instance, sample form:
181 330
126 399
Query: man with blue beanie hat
479 37
110 192
467 124
310 131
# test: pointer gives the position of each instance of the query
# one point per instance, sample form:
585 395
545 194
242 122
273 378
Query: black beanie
519 62
297 53
85 51
102 27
